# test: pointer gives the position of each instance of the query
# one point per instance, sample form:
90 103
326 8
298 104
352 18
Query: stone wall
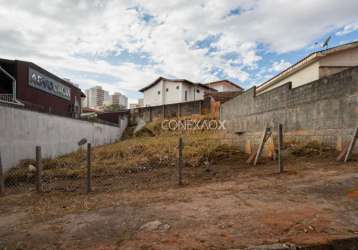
325 110
22 130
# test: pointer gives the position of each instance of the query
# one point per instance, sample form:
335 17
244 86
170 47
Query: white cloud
348 29
54 34
279 66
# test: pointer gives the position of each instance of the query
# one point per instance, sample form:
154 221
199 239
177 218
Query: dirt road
230 206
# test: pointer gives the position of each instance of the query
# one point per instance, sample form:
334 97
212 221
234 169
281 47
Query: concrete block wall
22 130
325 110
169 111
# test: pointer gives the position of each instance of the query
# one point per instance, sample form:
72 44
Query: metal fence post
180 160
89 175
38 169
280 146
2 179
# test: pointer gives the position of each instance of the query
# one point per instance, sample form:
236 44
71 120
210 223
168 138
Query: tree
113 108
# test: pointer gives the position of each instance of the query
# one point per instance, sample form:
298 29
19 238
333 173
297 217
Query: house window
167 89
197 91
178 87
158 92
186 95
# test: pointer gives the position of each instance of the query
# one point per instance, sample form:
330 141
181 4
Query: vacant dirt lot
230 206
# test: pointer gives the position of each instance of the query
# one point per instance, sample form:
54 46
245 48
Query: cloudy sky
124 45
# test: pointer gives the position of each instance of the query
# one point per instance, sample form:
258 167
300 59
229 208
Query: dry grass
147 149
308 149
152 147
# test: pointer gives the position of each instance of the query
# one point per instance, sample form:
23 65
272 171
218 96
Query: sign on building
45 83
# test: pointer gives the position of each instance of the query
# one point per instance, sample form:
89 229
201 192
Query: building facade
119 100
133 106
315 66
26 84
141 102
98 98
95 97
224 86
168 91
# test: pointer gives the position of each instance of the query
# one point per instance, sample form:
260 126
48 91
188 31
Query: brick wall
325 110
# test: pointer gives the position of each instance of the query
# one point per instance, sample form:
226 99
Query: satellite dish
325 44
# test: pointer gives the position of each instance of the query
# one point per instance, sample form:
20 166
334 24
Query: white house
167 91
224 86
315 66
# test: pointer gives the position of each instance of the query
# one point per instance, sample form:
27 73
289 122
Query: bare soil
230 205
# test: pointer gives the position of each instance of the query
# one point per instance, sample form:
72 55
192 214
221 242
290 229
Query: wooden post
89 174
200 108
343 153
265 136
280 147
163 111
178 111
150 114
351 145
38 169
2 179
180 160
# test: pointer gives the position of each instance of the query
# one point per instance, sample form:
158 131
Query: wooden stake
251 157
180 161
351 145
2 179
89 174
38 169
280 147
343 153
265 136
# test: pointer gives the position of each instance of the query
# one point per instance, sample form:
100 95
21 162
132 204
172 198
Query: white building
224 86
95 97
133 106
167 91
141 102
315 66
119 99
107 98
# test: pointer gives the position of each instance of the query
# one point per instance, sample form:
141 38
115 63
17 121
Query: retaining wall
21 130
170 110
325 110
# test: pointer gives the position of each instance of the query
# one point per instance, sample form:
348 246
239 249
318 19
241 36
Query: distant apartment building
107 99
141 102
98 98
119 99
133 105
95 97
